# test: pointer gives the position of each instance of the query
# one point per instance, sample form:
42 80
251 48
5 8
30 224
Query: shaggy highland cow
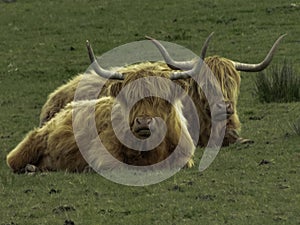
53 146
227 75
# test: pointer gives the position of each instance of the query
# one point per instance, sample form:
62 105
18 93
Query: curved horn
205 46
182 65
262 65
98 69
196 66
90 51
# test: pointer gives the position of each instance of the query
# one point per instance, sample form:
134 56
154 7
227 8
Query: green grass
295 126
43 45
280 83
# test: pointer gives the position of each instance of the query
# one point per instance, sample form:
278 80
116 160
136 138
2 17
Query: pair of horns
190 68
186 65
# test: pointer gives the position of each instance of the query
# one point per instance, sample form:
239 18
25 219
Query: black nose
143 120
228 105
141 126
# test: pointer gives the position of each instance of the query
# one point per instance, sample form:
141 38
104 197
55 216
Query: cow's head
150 94
226 73
152 89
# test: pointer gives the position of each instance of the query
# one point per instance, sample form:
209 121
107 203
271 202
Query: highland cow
227 75
53 146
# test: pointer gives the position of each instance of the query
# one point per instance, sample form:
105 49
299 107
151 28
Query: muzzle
141 126
222 111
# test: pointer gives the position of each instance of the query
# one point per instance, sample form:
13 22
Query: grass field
43 45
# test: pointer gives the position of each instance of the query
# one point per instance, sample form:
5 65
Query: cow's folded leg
28 151
232 136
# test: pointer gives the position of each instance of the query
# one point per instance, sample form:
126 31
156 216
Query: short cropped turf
42 46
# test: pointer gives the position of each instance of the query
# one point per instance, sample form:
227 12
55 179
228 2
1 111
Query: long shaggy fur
228 79
227 76
53 146
64 94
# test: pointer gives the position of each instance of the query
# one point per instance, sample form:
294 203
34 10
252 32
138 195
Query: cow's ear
115 88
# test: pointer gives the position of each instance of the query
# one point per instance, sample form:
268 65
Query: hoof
31 169
244 141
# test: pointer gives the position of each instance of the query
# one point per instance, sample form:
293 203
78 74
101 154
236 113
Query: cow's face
146 116
219 74
149 96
